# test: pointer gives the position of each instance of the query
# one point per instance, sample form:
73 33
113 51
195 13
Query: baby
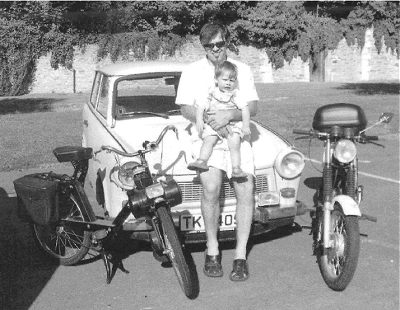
223 96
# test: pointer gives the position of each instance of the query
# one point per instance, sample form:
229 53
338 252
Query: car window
156 95
103 96
95 89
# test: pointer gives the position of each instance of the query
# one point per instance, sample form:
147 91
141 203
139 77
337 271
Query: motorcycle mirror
386 117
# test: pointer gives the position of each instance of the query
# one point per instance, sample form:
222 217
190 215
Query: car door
96 118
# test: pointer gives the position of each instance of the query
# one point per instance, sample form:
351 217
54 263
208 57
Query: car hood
174 153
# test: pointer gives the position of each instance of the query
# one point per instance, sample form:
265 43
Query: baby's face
225 82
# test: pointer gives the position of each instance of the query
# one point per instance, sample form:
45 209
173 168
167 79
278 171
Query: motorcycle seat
72 153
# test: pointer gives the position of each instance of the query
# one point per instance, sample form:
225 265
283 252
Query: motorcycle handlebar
371 138
148 146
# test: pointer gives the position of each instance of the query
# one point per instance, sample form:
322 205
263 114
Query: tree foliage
150 29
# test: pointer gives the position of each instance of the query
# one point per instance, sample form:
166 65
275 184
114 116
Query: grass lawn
32 126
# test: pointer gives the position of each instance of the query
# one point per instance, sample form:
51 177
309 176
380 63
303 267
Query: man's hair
227 66
210 30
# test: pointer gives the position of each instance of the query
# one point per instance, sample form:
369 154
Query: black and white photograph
202 155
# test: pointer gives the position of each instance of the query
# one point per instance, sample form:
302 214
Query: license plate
227 221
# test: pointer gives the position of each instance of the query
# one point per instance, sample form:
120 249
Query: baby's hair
227 66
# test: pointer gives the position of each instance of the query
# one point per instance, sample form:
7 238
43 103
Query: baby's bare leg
207 147
234 149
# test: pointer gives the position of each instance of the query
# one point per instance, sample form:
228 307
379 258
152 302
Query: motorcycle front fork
327 207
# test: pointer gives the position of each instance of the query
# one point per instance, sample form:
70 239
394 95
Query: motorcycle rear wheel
65 244
173 249
338 264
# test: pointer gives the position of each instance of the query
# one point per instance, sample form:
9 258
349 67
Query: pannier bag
37 195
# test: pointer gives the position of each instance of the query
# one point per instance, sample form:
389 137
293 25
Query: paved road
284 274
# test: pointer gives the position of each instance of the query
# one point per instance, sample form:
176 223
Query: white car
132 103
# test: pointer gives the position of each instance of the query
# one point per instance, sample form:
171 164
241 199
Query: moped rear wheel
173 249
338 263
64 243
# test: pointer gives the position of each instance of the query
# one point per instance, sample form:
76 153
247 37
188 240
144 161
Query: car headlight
289 163
127 172
345 151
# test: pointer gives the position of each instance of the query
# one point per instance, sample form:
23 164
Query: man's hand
219 118
216 122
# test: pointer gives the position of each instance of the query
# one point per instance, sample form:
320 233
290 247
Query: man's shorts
221 157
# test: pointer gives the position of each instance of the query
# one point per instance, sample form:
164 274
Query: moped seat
72 153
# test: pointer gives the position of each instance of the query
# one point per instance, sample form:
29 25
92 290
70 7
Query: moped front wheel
173 249
62 242
338 263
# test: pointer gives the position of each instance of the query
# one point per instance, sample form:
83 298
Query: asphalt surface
284 274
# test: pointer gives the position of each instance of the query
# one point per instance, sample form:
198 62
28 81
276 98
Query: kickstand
116 262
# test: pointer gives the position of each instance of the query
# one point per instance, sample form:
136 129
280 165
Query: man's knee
245 190
211 182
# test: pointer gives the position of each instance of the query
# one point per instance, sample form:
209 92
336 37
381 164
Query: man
195 82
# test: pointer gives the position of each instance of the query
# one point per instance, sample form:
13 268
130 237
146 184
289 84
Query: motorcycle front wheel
173 249
338 263
62 242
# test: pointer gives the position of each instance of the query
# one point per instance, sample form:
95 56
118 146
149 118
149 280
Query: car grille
191 191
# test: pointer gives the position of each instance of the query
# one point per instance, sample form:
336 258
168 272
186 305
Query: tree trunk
317 67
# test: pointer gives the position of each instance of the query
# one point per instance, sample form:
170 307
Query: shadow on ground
24 271
26 105
372 88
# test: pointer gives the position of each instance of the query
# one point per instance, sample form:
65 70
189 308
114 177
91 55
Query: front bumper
265 219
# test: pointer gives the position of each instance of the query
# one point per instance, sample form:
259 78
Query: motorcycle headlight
345 151
127 172
289 164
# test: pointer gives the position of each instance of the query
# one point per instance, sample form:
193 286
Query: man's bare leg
211 181
244 214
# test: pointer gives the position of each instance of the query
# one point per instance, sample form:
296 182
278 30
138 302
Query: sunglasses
219 44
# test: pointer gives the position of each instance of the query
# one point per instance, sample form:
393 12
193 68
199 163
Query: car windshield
149 96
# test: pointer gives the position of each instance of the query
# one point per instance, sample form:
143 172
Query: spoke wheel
62 242
173 249
339 262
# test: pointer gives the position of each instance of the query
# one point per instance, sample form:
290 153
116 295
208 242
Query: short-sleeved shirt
195 82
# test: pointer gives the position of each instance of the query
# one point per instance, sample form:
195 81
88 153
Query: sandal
198 165
212 266
240 270
237 173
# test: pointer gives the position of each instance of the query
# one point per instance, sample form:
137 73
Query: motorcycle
66 227
336 213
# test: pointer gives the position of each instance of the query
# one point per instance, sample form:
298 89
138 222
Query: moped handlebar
147 146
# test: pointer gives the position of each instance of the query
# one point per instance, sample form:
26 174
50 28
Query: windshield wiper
145 112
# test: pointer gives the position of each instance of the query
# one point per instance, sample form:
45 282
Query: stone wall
345 64
353 64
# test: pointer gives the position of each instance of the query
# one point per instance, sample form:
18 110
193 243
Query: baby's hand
246 131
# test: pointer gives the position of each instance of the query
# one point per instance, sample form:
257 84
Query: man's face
216 50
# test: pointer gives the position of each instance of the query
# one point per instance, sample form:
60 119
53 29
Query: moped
66 227
336 213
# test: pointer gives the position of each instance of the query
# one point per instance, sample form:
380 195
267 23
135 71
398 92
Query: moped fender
83 201
348 204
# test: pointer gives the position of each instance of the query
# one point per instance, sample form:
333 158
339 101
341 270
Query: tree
149 29
27 31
